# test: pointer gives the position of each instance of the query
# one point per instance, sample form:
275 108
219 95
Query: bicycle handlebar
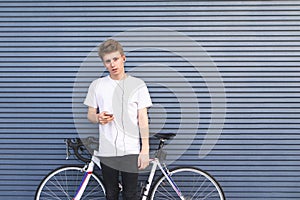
82 147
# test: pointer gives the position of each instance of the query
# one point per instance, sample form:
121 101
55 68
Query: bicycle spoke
63 183
66 181
97 189
48 194
78 180
164 196
199 189
61 188
58 186
208 195
49 199
194 184
96 198
167 195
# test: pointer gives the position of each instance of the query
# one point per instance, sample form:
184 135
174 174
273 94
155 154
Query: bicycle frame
85 180
155 163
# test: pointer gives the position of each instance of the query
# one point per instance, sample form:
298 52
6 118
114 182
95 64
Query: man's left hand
143 160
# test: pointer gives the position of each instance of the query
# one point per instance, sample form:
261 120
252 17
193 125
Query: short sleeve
144 99
90 99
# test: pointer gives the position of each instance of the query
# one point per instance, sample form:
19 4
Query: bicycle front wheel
62 184
193 184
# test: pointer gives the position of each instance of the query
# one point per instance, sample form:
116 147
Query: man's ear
124 58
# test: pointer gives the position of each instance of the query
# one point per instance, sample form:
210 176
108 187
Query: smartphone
108 114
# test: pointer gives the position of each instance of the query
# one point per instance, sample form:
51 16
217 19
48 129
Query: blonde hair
110 46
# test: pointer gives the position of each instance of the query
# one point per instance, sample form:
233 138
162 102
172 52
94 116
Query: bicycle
80 183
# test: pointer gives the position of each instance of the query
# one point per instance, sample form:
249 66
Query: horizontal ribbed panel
255 46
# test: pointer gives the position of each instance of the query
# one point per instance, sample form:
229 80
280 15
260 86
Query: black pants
112 167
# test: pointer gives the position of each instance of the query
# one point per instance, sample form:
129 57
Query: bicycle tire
62 184
193 184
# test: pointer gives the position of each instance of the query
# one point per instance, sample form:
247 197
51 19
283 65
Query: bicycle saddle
164 136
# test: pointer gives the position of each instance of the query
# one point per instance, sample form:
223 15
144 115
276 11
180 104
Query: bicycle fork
156 163
84 182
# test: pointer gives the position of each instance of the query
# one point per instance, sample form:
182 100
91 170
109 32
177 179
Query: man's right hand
103 118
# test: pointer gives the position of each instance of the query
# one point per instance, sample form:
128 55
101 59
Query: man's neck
119 77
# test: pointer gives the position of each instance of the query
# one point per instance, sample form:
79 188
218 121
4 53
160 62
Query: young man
119 102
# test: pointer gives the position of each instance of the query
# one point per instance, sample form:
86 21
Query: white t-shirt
122 98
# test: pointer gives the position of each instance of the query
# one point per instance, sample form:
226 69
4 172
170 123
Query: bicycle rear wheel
62 184
193 184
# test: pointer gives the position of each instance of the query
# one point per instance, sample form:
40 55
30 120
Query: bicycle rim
193 184
62 184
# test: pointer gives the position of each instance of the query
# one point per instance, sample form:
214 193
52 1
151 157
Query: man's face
114 63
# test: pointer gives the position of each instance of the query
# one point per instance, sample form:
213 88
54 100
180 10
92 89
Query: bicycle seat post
161 144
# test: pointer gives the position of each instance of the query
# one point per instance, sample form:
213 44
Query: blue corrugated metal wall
254 44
